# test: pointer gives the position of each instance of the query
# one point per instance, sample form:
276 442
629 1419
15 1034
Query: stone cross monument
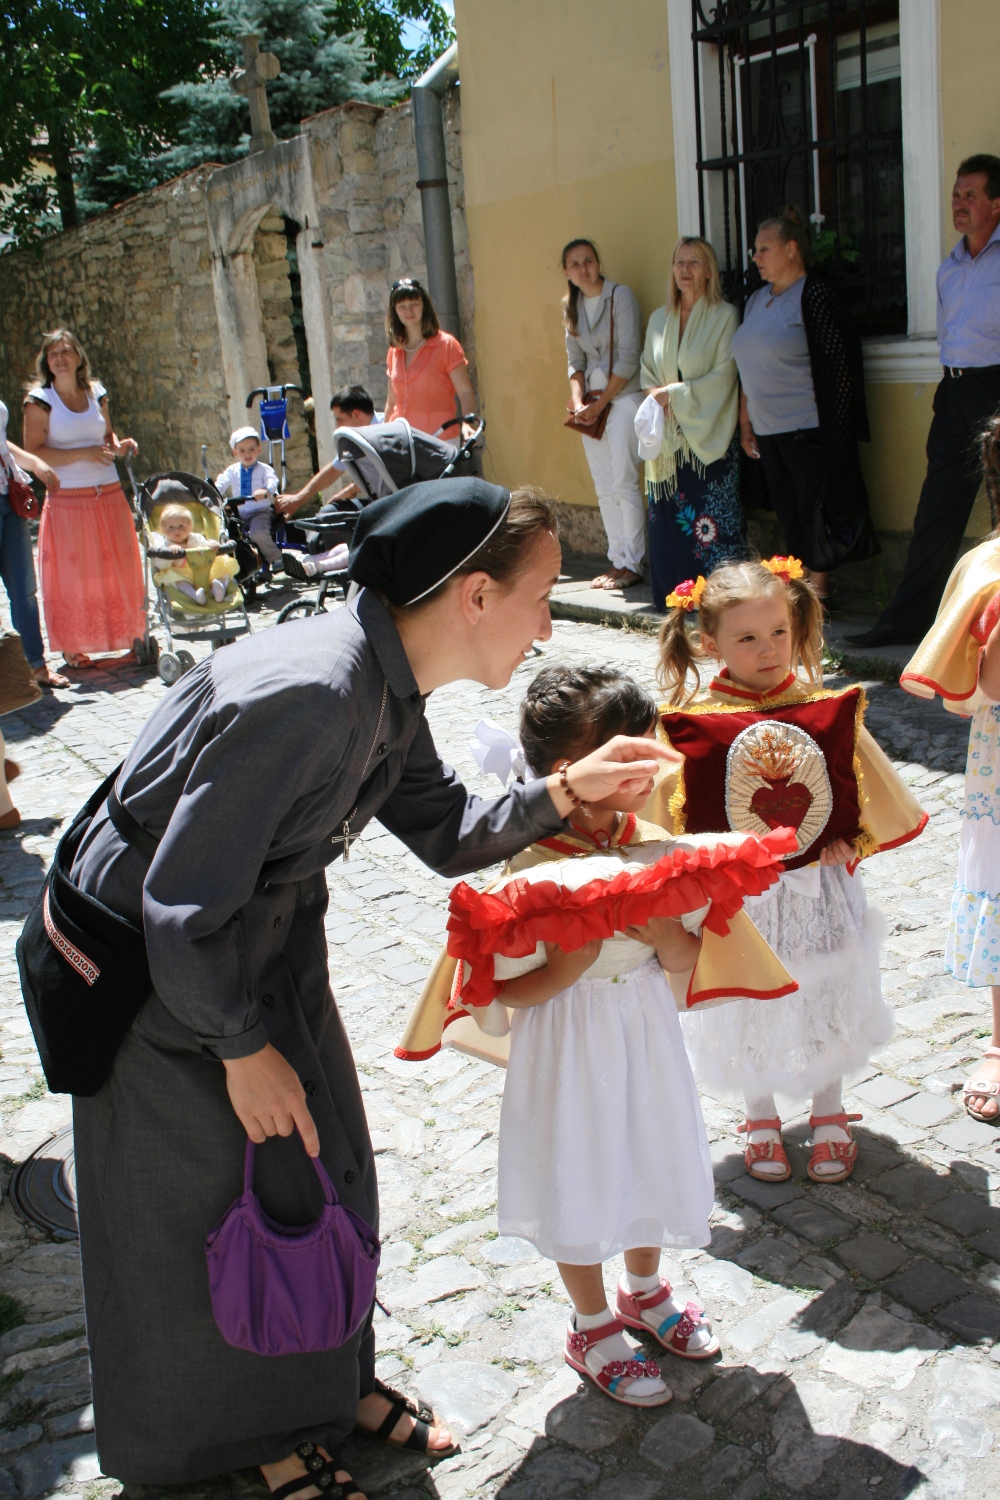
258 69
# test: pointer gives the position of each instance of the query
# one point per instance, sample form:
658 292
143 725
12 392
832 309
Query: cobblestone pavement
858 1323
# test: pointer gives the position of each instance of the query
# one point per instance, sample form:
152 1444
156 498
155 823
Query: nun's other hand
624 767
268 1098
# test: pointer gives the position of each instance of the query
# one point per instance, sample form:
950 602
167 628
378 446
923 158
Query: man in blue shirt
968 325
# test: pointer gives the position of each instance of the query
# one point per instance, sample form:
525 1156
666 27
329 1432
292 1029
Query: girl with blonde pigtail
766 746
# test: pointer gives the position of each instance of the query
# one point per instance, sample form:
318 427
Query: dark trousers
795 471
962 407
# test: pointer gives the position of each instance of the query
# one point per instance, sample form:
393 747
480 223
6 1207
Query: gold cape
740 965
890 814
947 660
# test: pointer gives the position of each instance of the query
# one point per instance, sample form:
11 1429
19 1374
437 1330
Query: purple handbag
279 1290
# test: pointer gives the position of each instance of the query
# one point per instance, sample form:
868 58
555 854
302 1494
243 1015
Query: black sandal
422 1419
320 1473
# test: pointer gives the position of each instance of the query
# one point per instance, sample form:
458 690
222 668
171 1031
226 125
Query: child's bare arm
676 949
561 970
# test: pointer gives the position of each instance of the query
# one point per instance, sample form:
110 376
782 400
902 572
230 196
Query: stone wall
135 285
182 296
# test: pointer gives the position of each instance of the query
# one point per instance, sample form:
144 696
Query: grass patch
21 1412
12 1313
62 1338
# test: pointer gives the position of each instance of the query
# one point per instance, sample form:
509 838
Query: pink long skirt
93 593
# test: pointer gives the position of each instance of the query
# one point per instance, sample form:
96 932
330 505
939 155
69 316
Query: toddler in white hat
255 484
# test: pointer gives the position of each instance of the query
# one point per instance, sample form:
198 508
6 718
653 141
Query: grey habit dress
269 750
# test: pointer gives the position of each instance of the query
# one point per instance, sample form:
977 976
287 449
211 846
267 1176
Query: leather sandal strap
604 1331
989 1052
842 1120
399 1408
749 1125
647 1300
988 1087
320 1474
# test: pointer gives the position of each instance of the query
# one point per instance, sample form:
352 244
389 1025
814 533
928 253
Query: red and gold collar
578 841
724 685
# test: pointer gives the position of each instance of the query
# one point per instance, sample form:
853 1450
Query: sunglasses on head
406 285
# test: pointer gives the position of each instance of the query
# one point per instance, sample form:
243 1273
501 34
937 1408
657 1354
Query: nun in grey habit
271 753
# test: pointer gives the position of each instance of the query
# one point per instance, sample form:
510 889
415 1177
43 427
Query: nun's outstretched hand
625 767
268 1098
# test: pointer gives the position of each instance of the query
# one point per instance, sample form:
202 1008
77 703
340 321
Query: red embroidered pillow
755 770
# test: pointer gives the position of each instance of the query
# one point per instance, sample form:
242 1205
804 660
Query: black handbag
83 967
834 544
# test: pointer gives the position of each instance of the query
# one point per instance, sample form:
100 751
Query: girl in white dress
764 622
602 1144
972 948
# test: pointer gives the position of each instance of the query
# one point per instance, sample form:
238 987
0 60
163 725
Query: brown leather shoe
10 820
11 770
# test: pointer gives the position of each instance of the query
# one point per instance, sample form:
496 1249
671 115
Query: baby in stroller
177 529
254 486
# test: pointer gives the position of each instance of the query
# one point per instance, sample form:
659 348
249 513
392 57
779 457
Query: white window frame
913 357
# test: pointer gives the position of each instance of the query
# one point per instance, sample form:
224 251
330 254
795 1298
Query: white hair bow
498 753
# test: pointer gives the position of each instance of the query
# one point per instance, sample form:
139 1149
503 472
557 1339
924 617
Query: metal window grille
800 102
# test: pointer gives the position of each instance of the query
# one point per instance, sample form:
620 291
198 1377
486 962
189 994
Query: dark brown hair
983 163
505 554
571 301
732 584
569 711
791 224
394 325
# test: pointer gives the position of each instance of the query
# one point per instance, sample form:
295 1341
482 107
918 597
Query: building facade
636 122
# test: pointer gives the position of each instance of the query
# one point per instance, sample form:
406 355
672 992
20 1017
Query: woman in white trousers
603 344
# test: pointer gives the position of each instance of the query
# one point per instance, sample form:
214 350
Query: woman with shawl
690 443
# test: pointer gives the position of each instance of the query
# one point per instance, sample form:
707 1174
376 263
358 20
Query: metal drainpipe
432 180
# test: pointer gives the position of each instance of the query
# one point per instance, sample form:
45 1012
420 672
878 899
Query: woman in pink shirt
427 369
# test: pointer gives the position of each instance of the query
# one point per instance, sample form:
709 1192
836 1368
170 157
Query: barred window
800 103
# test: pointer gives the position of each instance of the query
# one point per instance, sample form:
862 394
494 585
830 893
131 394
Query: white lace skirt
825 1030
602 1142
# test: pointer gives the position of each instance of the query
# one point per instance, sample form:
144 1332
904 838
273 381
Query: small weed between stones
61 1338
8 1382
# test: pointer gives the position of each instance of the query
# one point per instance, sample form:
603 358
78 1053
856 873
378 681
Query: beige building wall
566 131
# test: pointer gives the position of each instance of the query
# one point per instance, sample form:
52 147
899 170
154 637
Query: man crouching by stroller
255 485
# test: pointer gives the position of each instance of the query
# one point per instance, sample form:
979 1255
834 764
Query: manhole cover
43 1189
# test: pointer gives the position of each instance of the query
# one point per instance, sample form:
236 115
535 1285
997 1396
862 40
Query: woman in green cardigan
696 518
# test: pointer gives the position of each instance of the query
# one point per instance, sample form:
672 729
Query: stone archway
265 189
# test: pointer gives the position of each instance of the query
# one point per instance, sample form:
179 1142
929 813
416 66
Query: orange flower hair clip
785 568
687 595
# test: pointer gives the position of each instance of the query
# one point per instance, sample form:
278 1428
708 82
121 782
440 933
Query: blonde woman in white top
93 594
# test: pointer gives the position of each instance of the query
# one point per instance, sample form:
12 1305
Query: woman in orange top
428 372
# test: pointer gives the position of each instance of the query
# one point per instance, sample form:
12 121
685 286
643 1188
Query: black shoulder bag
84 970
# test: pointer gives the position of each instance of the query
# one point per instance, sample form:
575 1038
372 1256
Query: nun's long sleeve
268 757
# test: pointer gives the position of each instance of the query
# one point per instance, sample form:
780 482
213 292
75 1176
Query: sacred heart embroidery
776 777
782 803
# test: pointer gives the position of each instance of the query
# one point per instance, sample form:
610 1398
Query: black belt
126 826
956 372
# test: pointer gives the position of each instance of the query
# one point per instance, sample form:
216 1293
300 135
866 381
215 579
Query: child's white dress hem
972 947
602 1141
824 1031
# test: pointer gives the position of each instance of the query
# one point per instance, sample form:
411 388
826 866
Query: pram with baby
216 620
380 460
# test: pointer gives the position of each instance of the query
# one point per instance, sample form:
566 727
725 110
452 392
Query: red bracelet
564 783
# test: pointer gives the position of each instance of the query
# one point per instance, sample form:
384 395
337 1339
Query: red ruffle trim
514 920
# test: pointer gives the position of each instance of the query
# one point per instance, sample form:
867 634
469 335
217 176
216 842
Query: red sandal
764 1151
675 1331
844 1152
611 1375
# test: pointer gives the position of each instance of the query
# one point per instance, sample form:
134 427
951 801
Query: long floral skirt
699 526
93 594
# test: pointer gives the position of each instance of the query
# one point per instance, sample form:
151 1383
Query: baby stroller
180 616
380 460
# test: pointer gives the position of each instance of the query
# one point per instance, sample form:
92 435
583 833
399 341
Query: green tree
383 26
88 73
319 68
